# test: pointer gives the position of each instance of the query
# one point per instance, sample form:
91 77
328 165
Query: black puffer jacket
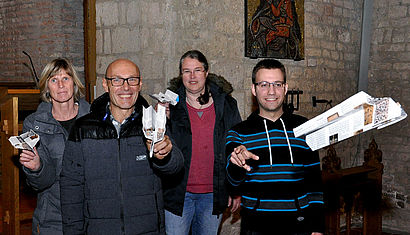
226 116
108 184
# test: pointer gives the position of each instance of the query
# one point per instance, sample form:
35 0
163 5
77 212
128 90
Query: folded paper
357 114
168 97
25 141
153 124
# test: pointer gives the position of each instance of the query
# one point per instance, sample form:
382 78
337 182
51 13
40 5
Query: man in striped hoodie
277 175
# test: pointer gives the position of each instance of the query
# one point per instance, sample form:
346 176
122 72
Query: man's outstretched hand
239 156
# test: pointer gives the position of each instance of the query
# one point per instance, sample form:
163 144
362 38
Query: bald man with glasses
109 184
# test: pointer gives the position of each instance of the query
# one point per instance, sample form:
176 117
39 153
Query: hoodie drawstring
268 137
287 139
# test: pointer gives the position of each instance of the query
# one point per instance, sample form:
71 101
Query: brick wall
44 29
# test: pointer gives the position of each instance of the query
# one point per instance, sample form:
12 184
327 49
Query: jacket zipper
120 183
158 212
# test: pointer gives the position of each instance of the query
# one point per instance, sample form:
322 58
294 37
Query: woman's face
193 76
61 87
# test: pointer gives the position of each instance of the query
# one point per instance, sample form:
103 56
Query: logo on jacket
140 157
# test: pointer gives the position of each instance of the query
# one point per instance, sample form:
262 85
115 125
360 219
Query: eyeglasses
264 85
132 81
187 72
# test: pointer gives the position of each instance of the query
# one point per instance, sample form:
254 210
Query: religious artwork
274 29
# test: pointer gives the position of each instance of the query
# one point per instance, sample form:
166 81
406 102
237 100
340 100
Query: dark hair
54 67
195 54
268 64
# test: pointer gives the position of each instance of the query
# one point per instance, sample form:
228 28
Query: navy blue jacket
108 183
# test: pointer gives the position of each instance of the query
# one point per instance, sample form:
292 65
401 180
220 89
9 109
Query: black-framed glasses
132 81
264 85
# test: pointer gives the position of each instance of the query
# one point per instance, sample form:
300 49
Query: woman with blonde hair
61 93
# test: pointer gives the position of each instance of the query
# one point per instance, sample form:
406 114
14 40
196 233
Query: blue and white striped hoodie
286 180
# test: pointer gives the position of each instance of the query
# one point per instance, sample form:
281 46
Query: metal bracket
290 105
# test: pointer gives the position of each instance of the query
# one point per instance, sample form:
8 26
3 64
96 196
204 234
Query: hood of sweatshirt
255 117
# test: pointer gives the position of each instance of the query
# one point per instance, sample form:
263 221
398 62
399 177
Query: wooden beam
90 52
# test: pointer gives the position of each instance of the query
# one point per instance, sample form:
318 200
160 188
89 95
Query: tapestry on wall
274 29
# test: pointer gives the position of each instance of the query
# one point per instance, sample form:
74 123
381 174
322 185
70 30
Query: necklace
199 113
193 104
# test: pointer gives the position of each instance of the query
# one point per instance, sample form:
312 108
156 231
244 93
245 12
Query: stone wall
389 75
155 33
44 29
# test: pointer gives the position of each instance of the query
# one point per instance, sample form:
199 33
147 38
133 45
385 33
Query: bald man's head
123 83
120 62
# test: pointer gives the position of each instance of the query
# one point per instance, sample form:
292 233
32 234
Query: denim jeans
197 213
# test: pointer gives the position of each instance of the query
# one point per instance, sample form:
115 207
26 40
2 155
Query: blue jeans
197 213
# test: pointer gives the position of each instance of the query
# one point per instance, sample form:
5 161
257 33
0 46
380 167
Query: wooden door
10 172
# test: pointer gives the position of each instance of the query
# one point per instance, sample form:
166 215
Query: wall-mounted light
316 101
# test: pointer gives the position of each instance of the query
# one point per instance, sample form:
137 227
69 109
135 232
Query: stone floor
230 222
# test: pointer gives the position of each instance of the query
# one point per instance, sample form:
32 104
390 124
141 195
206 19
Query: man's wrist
163 161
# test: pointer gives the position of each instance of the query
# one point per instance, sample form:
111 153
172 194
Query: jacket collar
44 109
100 104
256 117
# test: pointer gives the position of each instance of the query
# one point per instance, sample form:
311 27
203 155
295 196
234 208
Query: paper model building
355 115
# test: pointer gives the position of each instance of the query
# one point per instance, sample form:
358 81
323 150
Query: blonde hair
53 68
